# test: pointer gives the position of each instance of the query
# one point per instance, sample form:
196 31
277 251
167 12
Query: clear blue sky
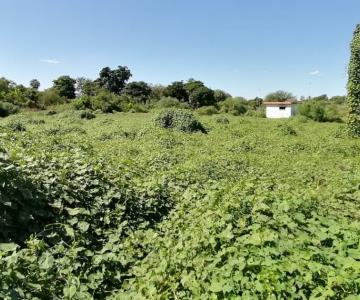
247 48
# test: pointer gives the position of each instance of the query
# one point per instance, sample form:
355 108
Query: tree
35 84
255 103
220 95
338 99
50 96
323 97
140 91
85 87
192 85
199 94
177 90
157 91
65 86
235 106
353 86
280 96
114 80
6 86
32 96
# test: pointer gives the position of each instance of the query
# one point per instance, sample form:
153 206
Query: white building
277 110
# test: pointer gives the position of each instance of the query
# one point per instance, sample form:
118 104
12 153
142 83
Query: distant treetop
279 96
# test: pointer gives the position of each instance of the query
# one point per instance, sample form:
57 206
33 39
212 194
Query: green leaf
216 286
46 261
69 231
8 247
83 226
69 292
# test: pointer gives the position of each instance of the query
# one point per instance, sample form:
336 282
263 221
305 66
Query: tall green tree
220 95
140 91
279 96
86 87
35 84
199 94
157 91
177 90
353 86
114 80
65 85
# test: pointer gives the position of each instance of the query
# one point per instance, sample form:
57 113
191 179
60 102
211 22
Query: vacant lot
115 207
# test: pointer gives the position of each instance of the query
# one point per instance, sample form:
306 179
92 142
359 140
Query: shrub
51 112
314 110
137 108
170 102
179 120
234 106
22 209
287 129
16 126
222 120
36 121
207 110
87 115
51 97
7 109
319 111
300 119
83 102
107 102
258 113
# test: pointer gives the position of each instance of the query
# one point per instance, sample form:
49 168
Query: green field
114 207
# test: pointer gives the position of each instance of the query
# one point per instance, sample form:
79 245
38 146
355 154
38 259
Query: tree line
113 91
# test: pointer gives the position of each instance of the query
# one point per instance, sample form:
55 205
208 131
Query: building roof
284 103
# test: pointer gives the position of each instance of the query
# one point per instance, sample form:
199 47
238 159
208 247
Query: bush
83 102
319 111
87 115
222 120
258 113
51 112
50 97
137 108
179 120
36 121
170 102
207 110
22 209
234 106
7 109
300 119
107 102
287 129
16 126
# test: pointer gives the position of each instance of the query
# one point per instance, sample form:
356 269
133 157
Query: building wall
274 111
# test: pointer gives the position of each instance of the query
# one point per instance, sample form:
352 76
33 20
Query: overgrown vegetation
113 207
179 120
353 97
112 92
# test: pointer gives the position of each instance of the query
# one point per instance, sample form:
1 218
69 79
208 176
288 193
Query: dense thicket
353 87
138 212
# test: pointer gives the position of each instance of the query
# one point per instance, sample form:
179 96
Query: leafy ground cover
116 207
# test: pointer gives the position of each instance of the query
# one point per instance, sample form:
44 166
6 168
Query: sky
247 48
